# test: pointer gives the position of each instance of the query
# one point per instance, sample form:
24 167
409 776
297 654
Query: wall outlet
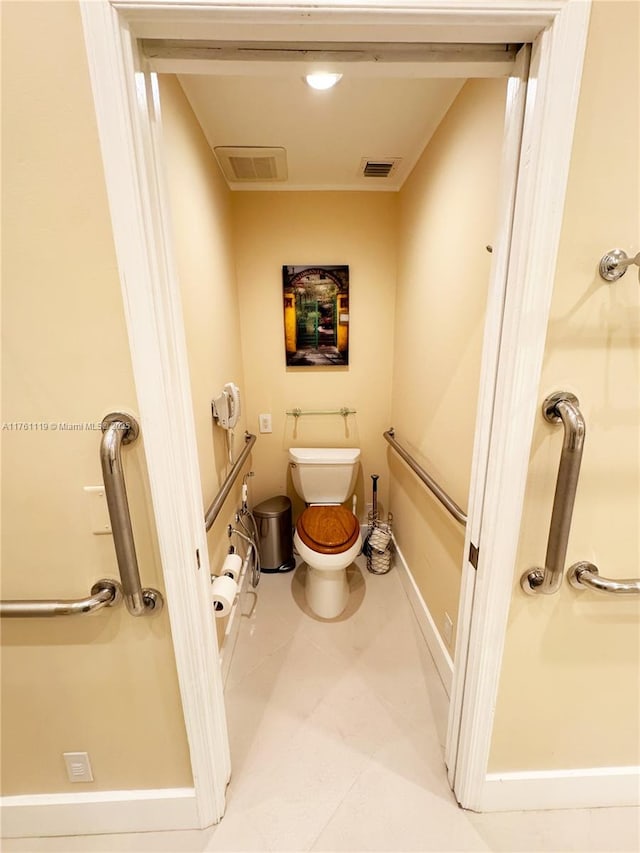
78 766
447 631
264 422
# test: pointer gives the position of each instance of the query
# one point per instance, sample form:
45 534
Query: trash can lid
272 507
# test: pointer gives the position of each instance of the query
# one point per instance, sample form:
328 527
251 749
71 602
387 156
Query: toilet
327 534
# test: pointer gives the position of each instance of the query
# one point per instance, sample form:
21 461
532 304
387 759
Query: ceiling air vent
378 167
242 165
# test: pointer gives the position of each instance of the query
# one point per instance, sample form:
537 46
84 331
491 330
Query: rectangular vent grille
379 168
241 164
254 168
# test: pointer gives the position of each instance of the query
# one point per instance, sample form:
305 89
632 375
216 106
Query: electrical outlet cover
78 766
264 422
448 629
98 511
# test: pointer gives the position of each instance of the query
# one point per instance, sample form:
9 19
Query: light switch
98 510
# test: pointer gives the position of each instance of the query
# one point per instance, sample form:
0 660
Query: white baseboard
586 788
435 644
100 812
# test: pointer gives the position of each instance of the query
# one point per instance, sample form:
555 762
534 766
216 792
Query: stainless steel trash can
273 517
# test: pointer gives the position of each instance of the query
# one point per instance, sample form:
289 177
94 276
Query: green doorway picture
316 315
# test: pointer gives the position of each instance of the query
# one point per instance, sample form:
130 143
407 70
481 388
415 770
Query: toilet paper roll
223 594
231 566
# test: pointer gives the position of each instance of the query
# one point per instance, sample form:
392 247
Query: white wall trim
438 650
126 113
492 334
466 21
99 812
586 788
552 98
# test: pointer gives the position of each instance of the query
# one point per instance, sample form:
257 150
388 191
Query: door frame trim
459 724
553 89
128 126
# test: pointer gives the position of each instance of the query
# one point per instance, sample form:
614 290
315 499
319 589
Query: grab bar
448 503
586 575
615 263
119 429
104 593
212 513
560 407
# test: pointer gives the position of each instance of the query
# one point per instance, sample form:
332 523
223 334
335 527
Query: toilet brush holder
380 547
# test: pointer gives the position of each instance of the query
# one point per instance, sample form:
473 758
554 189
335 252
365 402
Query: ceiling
326 134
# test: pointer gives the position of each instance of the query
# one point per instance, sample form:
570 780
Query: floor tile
606 829
384 810
337 731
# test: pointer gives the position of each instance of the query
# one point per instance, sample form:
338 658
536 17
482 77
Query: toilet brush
373 516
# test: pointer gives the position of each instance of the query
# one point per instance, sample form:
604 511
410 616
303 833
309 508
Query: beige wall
105 684
447 213
276 229
570 677
203 242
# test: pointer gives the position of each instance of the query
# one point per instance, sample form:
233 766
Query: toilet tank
324 475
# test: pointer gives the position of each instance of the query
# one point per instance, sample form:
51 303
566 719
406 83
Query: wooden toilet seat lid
328 529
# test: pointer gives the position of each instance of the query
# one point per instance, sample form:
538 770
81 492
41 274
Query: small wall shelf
344 411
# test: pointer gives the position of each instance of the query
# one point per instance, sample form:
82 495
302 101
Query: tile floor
337 731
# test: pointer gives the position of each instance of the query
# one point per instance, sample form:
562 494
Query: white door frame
517 316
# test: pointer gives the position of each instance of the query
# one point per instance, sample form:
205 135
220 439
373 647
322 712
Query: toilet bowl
327 534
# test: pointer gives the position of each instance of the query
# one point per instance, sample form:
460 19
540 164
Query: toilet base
326 587
326 591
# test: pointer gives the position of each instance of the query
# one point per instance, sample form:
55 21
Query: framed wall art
316 315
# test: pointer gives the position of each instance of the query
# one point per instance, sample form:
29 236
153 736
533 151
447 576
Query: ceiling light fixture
322 80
